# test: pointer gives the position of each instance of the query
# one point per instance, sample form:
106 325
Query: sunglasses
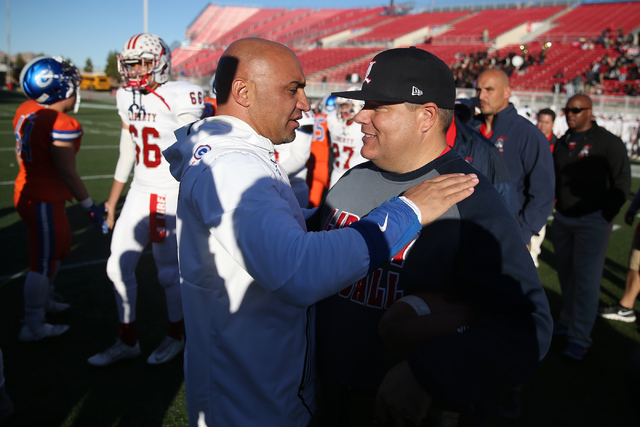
574 110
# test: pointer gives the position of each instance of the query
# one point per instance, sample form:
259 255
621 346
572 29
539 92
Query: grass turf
51 384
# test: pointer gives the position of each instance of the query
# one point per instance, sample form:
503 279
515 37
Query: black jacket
594 175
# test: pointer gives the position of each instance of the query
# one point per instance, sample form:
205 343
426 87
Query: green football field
51 383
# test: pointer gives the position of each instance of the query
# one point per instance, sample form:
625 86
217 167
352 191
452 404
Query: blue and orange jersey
36 127
210 107
318 164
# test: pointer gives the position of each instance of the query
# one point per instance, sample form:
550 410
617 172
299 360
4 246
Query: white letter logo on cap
366 77
415 91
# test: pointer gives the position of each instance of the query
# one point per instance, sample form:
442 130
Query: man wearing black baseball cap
473 253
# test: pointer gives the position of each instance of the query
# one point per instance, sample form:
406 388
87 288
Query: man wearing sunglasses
593 178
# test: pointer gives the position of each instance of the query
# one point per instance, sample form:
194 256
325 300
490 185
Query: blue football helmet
328 104
212 87
48 80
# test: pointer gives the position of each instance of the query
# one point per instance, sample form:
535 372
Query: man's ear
428 116
240 92
507 93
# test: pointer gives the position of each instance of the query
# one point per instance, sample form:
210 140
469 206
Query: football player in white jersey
345 136
151 108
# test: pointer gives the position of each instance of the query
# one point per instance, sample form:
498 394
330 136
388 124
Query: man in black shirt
593 178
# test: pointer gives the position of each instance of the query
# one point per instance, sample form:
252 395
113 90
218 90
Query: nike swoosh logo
383 228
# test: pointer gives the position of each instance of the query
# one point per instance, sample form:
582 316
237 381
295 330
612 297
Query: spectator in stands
569 88
591 187
524 148
623 310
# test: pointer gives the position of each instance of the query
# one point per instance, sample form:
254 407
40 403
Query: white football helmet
152 53
348 108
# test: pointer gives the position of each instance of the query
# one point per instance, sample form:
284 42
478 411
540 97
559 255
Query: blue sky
81 29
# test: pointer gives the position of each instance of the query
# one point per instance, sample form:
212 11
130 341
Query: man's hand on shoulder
401 401
436 195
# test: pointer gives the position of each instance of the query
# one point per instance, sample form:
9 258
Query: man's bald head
493 92
261 82
249 58
584 100
497 74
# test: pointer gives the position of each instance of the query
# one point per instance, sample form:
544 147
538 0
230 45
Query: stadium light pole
9 38
145 13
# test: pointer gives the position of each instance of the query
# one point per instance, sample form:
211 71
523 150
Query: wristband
387 230
86 203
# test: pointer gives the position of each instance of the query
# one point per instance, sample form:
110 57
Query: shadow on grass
599 390
51 383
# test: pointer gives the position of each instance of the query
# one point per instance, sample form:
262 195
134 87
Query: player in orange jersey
47 140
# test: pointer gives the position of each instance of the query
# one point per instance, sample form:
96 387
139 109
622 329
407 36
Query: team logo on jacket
201 151
500 143
584 152
366 77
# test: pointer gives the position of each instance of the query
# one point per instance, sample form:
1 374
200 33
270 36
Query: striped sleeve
66 128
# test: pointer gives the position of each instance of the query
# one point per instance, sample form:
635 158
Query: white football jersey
152 118
346 143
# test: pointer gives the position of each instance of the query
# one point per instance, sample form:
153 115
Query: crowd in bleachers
469 65
582 58
615 73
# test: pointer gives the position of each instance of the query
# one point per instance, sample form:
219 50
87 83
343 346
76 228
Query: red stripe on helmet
133 40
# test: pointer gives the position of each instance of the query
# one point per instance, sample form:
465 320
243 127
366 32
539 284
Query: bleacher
202 20
406 24
590 20
562 58
249 25
316 60
226 18
353 19
301 28
363 32
496 22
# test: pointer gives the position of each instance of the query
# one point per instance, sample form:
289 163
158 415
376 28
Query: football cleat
116 352
152 54
48 80
45 331
618 312
575 351
168 349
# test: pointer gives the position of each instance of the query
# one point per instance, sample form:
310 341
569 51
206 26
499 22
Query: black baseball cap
407 75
